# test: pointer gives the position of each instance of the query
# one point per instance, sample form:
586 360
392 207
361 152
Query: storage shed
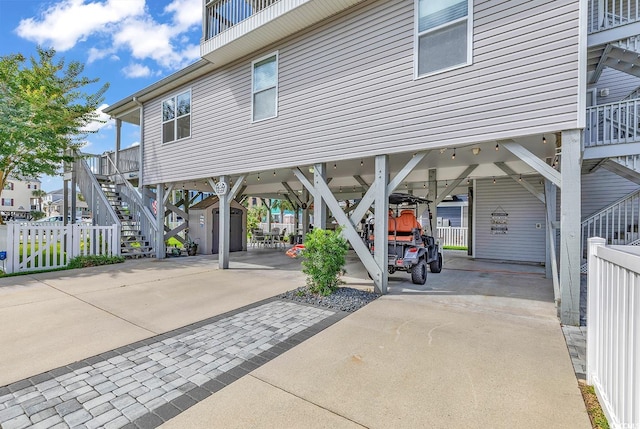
204 224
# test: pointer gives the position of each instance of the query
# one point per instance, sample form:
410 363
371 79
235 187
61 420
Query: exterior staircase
133 243
112 199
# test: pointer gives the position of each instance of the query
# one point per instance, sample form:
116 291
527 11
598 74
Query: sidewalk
469 349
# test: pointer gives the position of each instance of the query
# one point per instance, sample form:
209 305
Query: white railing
223 14
453 236
607 14
128 161
101 211
37 246
612 123
281 226
140 214
613 331
617 223
632 162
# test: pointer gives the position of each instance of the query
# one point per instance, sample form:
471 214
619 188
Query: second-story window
264 87
444 35
176 117
8 186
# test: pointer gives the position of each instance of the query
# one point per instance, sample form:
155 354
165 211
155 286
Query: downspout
141 152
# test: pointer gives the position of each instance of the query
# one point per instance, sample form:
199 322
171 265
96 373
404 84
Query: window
7 202
8 186
264 87
444 35
176 117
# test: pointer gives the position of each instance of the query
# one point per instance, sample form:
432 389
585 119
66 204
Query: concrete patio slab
261 406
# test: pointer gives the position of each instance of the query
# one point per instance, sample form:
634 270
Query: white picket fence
33 246
453 236
613 330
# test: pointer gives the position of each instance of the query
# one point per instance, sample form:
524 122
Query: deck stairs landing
133 244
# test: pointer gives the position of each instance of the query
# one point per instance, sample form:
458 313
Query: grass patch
455 247
94 261
596 415
77 262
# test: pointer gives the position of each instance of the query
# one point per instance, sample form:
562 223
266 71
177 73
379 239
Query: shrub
324 260
94 261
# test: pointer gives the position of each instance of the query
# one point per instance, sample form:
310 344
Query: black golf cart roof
398 198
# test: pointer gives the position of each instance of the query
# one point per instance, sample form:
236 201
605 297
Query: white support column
225 225
160 244
305 213
319 205
381 222
551 264
118 140
433 196
570 203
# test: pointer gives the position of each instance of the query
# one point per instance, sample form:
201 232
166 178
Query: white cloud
65 23
136 70
114 28
186 13
98 54
103 120
134 144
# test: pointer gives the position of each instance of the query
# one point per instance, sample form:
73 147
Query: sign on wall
499 221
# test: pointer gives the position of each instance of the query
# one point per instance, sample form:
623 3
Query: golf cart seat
405 227
407 222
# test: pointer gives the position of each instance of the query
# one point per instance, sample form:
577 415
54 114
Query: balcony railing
607 14
221 15
613 123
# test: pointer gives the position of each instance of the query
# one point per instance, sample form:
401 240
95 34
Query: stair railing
101 211
617 223
138 211
612 123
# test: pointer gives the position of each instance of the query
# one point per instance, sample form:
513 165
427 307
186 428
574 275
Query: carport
530 162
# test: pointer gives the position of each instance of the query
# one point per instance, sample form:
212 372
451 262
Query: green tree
44 112
281 205
39 194
254 216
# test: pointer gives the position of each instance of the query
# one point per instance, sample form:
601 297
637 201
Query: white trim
175 96
277 86
417 34
582 64
474 239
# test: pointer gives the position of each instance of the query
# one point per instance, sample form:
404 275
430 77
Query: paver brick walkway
148 382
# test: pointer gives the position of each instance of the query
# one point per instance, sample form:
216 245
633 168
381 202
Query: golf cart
411 248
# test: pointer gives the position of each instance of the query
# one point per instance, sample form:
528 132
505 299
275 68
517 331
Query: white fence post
13 243
593 315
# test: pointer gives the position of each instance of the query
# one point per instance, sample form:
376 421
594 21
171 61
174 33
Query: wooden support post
118 139
381 222
570 166
160 244
433 196
305 213
225 226
319 205
551 264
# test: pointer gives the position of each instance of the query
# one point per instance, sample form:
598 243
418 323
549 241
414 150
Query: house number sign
499 221
221 189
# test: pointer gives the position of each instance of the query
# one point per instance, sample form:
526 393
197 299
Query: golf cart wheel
419 273
436 266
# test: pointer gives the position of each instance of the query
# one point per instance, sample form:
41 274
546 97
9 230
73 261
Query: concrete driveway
478 346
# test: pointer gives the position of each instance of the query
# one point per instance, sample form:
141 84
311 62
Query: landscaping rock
344 298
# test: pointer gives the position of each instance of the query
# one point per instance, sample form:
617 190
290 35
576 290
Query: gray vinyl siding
346 90
601 188
618 83
523 241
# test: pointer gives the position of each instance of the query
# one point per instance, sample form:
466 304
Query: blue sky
128 43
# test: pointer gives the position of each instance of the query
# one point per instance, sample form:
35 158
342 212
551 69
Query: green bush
94 261
324 260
